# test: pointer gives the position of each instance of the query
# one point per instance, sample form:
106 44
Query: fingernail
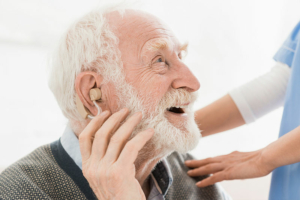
187 162
150 130
148 133
123 110
138 113
198 184
189 172
104 113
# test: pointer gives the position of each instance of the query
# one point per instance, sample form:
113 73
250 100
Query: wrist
267 161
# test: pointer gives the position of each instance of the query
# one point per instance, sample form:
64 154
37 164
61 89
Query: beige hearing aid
95 94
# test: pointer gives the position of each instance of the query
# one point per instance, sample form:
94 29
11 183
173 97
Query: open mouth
176 110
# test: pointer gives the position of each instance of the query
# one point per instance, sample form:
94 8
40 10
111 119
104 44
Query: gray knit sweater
49 173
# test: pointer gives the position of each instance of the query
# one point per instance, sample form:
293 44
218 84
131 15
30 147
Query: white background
231 42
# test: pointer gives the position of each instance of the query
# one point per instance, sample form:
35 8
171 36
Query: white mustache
177 97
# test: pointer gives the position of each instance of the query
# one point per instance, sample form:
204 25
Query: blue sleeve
286 52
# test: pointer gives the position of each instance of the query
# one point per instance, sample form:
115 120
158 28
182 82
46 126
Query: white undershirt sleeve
263 94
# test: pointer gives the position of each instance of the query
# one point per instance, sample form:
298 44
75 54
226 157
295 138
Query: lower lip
176 118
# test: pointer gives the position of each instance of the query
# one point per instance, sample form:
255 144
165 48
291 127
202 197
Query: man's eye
159 60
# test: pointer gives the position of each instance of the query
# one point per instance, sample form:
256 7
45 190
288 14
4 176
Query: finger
207 169
117 126
104 133
87 135
119 139
217 177
199 163
132 148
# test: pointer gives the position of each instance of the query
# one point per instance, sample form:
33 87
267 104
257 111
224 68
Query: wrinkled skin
149 71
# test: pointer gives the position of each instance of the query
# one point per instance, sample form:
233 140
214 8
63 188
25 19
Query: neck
143 171
146 161
77 126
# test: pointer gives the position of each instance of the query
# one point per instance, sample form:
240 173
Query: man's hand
108 161
237 165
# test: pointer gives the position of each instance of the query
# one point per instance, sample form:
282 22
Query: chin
188 136
175 135
182 129
168 137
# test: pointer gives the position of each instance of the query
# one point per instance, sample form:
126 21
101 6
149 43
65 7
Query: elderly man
128 139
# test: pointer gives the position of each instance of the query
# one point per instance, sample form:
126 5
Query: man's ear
84 82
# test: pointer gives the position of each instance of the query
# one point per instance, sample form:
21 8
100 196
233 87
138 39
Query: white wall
231 42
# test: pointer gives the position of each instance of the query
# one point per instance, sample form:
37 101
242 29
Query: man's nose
185 79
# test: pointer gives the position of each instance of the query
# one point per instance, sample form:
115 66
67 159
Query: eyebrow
163 43
157 45
184 47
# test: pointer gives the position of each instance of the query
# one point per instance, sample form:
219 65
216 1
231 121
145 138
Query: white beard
168 137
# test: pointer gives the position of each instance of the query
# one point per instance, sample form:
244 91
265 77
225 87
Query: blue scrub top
285 184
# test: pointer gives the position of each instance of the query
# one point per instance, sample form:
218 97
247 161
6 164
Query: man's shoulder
178 159
20 177
32 162
183 186
39 176
178 169
176 163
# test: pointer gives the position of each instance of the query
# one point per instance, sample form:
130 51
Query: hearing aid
95 94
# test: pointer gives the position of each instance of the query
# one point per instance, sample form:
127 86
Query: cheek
152 90
150 86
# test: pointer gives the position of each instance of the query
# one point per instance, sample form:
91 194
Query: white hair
88 45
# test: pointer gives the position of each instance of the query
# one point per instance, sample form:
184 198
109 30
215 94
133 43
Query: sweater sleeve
263 94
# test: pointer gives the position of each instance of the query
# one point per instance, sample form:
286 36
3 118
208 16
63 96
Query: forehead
136 29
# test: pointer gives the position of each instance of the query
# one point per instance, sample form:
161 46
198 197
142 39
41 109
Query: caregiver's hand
108 161
237 165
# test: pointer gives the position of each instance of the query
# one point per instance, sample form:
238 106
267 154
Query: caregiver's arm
246 103
219 116
244 165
